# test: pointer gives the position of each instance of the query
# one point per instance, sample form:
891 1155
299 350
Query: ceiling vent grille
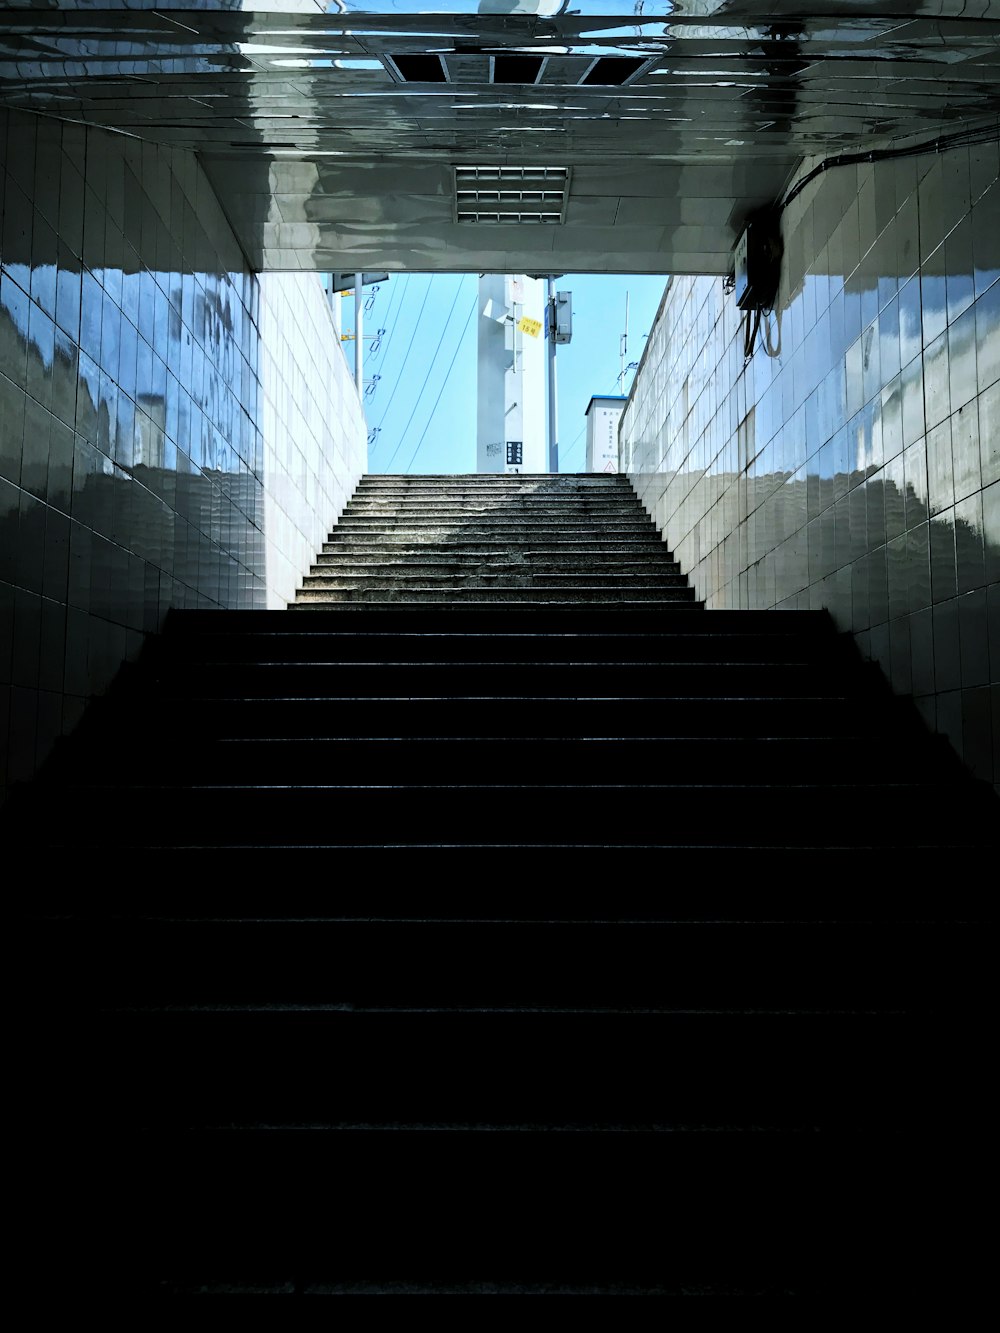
418 68
516 69
613 71
511 194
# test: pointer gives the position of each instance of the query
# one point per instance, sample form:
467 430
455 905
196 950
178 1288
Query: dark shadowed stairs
499 920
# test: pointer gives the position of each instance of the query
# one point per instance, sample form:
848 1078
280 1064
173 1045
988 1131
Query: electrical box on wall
562 317
757 264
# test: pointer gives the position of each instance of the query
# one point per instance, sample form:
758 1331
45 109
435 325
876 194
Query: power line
447 323
572 445
409 348
376 347
401 289
451 367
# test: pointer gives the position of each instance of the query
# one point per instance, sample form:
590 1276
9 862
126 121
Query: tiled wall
133 452
854 462
315 439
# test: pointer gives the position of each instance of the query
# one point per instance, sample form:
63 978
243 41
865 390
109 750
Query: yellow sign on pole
532 327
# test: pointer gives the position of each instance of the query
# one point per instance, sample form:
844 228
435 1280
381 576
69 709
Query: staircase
482 933
522 539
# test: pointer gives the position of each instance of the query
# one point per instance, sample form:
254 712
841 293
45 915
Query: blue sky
423 404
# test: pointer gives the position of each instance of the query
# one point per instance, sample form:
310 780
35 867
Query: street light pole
359 279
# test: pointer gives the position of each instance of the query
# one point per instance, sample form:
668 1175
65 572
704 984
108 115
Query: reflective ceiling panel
333 131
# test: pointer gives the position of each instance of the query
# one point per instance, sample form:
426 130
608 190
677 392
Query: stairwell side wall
853 462
314 433
136 459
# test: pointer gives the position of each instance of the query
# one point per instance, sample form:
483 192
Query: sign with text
603 415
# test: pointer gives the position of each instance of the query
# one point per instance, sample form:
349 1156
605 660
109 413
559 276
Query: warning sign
532 327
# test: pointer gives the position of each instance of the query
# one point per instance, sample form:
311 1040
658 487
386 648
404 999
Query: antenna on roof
623 351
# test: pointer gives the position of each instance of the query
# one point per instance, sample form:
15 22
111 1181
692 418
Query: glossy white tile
134 475
895 363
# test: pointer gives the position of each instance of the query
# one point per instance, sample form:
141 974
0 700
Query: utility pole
558 329
553 407
510 409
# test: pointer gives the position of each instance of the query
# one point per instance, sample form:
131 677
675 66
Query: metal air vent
417 67
613 71
511 194
518 69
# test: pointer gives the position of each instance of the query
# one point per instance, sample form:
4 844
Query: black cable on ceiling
960 139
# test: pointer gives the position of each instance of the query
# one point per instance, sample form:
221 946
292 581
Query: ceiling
332 130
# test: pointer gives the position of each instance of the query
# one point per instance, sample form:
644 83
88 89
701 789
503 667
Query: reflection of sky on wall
868 443
129 465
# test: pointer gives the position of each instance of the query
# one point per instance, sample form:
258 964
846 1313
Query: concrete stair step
518 495
749 760
661 814
500 517
487 577
515 498
512 714
309 642
704 884
627 593
517 501
644 543
555 481
513 485
462 609
496 532
498 562
452 498
517 504
625 680
406 547
555 493
378 965
523 1012
735 1224
585 624
476 535
512 513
